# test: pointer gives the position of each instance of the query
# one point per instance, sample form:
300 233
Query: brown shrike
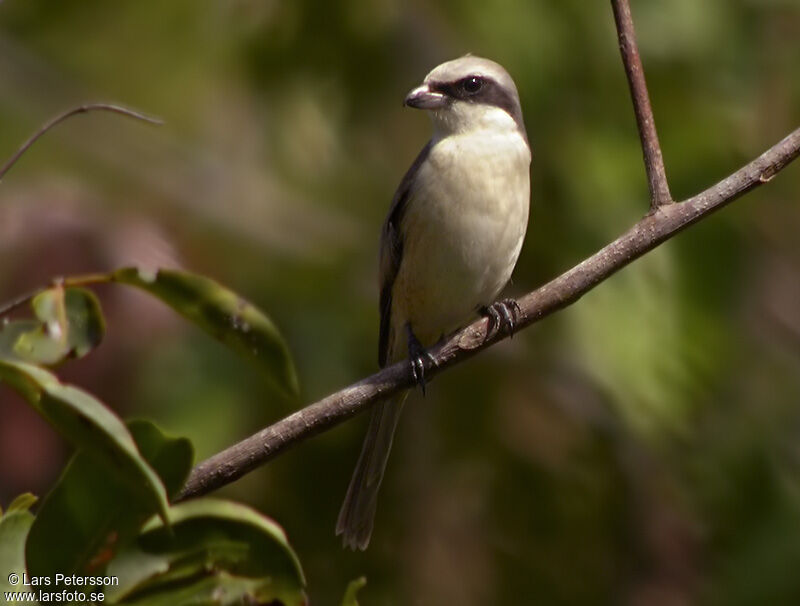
449 244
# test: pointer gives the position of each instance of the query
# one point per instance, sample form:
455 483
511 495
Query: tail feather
357 515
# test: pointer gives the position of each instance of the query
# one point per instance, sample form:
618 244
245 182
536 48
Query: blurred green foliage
640 447
206 550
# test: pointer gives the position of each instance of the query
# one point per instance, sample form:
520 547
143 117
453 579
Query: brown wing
392 251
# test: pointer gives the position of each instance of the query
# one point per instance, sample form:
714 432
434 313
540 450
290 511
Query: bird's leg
419 359
501 314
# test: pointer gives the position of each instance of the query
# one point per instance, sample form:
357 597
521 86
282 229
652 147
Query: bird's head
469 94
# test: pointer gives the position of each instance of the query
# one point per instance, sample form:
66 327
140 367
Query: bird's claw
419 360
501 314
419 365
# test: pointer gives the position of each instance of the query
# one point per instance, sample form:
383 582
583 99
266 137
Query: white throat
463 118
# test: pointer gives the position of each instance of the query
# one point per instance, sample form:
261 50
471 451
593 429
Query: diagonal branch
653 160
655 228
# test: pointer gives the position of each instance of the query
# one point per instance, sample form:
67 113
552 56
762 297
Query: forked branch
234 462
664 221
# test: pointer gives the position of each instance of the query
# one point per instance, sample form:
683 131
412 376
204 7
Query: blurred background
641 447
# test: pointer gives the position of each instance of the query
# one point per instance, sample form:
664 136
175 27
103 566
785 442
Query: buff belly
462 233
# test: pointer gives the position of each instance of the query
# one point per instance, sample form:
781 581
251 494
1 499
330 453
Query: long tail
358 510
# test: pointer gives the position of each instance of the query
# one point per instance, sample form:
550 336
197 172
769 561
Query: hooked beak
423 97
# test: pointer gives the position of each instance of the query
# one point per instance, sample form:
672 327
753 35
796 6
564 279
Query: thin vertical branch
653 159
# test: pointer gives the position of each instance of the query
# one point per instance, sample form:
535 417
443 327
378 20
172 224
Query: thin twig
67 114
237 460
653 159
86 279
67 282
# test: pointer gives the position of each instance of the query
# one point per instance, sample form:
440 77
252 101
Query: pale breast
462 231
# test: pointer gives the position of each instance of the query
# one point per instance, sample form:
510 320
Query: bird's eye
472 84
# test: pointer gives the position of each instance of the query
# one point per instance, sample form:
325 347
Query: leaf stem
65 281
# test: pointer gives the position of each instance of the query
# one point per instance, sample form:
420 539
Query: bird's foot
419 359
501 314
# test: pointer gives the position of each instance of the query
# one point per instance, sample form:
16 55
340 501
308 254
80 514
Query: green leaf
223 314
172 458
47 344
10 334
23 502
86 514
92 512
70 324
243 552
14 527
350 595
221 589
86 325
88 424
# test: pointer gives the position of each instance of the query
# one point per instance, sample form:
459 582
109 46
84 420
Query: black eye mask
481 90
